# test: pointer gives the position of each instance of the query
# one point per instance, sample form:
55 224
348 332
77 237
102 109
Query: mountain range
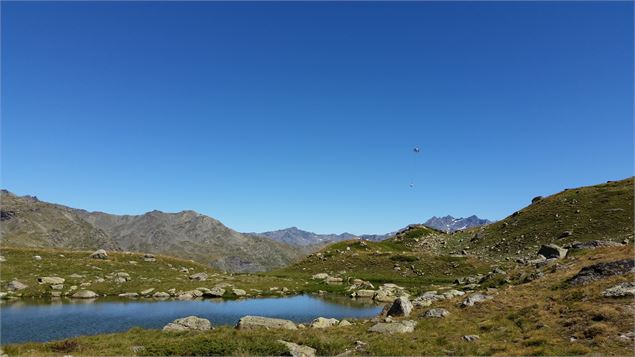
27 221
451 224
297 237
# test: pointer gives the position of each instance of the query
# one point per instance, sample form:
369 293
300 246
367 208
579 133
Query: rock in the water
365 293
215 292
296 350
620 290
603 270
552 251
129 295
475 298
322 322
51 280
99 254
471 338
400 307
436 313
199 276
16 285
190 323
85 294
394 327
256 322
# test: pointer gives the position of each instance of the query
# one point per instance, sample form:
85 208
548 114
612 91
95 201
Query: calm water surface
31 320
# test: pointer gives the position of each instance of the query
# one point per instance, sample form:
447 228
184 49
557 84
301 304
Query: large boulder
257 322
16 285
384 296
99 254
551 251
603 270
52 280
85 294
190 323
394 327
322 322
400 307
365 293
296 350
239 292
215 292
620 290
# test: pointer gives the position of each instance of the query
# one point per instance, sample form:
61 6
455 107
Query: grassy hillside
600 212
542 317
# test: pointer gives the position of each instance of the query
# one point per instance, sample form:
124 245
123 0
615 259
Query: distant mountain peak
451 224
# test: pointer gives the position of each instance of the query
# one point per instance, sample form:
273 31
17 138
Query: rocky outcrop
190 323
594 244
257 322
603 270
394 327
620 290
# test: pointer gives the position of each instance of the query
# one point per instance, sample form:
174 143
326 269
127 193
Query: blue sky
272 115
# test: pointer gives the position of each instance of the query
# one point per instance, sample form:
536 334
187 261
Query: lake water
25 320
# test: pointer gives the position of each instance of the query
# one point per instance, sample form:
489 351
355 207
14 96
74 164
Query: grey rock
190 323
471 338
239 292
99 254
129 295
322 322
51 280
552 251
199 276
16 285
436 313
160 295
475 298
594 244
296 350
257 322
400 307
147 291
85 294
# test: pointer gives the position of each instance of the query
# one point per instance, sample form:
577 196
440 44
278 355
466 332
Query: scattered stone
16 285
296 350
365 293
475 298
471 338
85 294
536 199
137 349
384 296
57 286
566 234
344 323
215 292
56 294
322 322
190 323
147 291
256 322
603 270
75 276
239 292
628 336
51 280
184 270
394 327
427 298
333 280
99 254
400 307
2 259
37 257
320 276
552 251
620 290
199 276
160 295
436 313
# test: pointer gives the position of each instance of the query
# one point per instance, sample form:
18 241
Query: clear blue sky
273 115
